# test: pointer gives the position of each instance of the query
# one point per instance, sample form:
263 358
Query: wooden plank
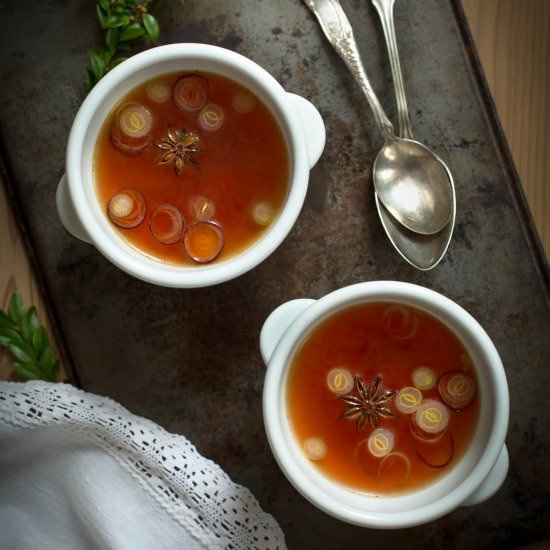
513 43
16 275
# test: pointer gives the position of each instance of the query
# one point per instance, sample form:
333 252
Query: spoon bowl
424 252
411 180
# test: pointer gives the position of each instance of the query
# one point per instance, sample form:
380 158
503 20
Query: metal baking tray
189 359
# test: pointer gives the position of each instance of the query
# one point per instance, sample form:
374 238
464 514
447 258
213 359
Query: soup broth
191 168
382 398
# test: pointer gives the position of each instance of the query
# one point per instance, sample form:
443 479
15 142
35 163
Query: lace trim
193 490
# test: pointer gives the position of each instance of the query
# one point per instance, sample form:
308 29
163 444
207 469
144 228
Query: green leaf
47 357
28 340
25 325
39 340
5 321
105 55
123 22
111 39
151 26
100 15
29 322
123 47
28 370
24 353
35 322
121 9
49 364
116 61
52 372
113 21
131 32
90 79
15 308
11 335
98 65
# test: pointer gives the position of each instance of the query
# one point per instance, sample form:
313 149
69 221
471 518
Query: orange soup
382 398
191 168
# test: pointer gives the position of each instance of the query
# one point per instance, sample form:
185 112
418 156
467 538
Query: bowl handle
276 324
491 484
67 213
312 125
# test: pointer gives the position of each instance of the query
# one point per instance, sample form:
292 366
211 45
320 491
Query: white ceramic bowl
77 204
475 477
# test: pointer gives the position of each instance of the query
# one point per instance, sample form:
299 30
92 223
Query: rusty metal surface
189 359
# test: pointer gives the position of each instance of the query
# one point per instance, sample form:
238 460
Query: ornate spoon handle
385 12
339 33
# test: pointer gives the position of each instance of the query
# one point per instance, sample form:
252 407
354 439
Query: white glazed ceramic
475 477
78 207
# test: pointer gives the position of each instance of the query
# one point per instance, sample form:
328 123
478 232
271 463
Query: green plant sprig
122 22
22 333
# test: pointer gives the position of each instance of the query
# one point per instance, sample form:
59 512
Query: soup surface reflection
191 168
382 398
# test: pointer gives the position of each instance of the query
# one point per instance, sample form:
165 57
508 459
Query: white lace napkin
80 471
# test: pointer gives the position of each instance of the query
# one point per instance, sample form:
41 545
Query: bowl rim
232 65
312 488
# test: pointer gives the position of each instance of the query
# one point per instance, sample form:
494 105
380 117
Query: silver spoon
422 251
409 179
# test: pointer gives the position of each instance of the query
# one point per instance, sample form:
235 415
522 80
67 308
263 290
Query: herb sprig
122 22
22 333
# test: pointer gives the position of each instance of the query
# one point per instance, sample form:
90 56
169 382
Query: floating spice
158 91
180 148
399 322
166 223
424 378
395 468
202 208
340 381
408 399
243 102
211 117
436 454
368 462
430 420
191 92
380 442
368 405
262 213
457 390
315 448
126 208
131 129
203 241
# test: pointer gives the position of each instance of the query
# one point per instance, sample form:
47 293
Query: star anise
180 148
367 404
